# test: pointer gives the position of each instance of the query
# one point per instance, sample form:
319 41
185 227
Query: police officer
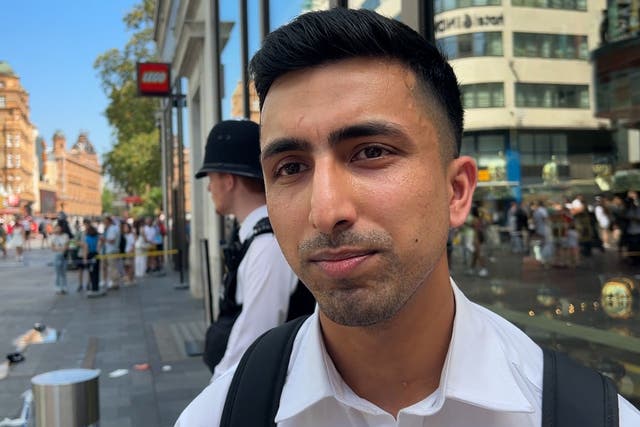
258 282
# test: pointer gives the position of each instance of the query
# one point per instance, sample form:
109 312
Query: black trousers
94 271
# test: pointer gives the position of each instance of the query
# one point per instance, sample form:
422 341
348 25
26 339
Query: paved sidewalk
144 323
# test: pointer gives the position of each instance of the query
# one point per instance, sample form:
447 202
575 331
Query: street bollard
66 398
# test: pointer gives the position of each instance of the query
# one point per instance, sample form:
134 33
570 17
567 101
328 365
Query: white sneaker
483 272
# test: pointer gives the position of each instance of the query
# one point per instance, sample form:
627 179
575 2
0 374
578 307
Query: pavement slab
144 323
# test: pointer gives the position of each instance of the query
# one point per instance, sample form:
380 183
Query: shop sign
484 175
154 79
467 22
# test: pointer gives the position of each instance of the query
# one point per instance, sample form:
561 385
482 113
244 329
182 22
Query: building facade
524 68
616 63
186 32
526 81
18 180
76 175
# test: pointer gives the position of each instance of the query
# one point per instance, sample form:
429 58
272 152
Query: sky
51 46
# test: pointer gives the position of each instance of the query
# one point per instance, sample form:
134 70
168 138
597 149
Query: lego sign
154 79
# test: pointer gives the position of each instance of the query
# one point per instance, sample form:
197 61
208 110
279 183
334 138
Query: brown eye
371 152
291 168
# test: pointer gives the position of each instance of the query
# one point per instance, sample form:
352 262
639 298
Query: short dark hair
321 37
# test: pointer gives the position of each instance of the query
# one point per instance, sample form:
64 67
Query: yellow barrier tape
133 254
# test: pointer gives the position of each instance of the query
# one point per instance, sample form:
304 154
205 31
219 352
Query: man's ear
228 181
462 175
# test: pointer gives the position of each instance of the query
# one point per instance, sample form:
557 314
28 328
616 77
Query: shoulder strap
234 252
253 398
574 395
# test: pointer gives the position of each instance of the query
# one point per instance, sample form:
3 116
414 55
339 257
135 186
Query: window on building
16 140
557 46
542 95
444 5
3 102
553 4
471 44
9 160
16 160
537 148
483 147
483 95
9 141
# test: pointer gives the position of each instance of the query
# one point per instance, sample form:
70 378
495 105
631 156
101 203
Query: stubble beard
370 299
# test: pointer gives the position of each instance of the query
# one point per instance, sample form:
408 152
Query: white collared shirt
265 283
492 377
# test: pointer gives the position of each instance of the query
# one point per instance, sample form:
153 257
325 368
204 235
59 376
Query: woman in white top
17 238
129 247
59 246
141 252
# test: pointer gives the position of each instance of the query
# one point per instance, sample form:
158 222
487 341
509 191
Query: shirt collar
246 228
312 376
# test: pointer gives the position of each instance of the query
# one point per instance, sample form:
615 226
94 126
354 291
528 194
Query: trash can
66 398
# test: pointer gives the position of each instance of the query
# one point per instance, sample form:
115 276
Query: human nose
332 198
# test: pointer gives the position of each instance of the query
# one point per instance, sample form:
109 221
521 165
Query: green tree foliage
134 162
107 200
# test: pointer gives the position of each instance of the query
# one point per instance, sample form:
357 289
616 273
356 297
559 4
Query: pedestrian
18 238
572 242
76 249
361 124
140 268
26 225
91 247
150 234
111 250
3 239
517 224
42 229
632 229
59 246
478 259
603 216
259 283
129 247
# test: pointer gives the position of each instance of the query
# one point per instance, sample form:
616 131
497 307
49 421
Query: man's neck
244 206
398 363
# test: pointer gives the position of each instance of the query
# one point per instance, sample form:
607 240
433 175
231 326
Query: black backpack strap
234 252
253 398
574 395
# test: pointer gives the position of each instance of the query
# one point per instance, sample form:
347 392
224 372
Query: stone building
18 181
76 175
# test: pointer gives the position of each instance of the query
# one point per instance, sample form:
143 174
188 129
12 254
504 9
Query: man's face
357 192
218 192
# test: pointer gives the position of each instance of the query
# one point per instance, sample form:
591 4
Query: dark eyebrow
370 128
282 145
358 130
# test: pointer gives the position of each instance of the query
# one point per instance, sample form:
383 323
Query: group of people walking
554 233
113 251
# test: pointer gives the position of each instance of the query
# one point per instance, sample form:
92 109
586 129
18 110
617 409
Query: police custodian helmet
233 146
